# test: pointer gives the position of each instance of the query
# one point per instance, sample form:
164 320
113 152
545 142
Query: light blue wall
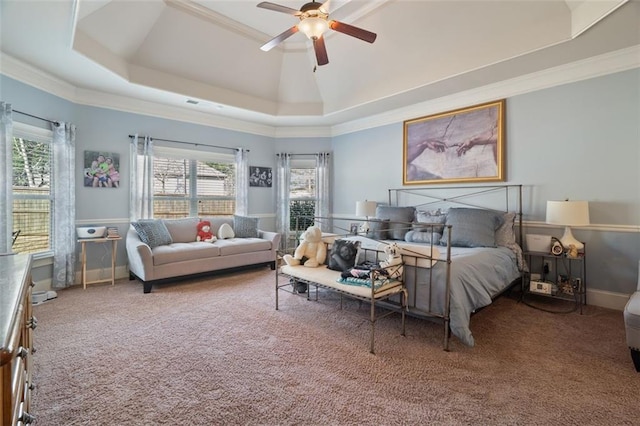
577 141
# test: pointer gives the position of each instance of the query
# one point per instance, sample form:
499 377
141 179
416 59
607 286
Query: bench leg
373 325
635 356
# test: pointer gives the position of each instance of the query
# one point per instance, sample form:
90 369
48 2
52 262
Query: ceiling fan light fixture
313 27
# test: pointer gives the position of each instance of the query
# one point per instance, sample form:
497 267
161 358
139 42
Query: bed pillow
245 227
426 218
343 255
378 229
152 232
400 219
505 235
472 227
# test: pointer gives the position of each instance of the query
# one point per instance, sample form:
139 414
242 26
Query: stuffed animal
311 252
393 264
204 232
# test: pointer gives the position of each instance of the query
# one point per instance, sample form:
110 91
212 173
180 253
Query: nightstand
557 277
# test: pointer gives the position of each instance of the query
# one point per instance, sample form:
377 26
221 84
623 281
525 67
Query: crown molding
597 66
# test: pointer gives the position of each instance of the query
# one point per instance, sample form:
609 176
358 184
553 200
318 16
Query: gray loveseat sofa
167 248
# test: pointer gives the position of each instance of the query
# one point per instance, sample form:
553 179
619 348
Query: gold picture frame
463 145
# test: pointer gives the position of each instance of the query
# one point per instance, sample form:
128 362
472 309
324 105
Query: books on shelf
112 232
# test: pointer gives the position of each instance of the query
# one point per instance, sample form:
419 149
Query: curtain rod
36 117
315 153
190 143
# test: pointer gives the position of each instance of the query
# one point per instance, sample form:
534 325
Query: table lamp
366 209
568 213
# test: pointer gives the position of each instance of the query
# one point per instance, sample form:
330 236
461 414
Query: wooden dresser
16 337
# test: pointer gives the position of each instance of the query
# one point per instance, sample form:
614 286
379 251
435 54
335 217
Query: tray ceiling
170 51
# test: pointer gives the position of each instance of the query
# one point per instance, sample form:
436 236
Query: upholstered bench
632 324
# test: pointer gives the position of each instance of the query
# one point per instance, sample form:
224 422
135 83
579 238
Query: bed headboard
500 198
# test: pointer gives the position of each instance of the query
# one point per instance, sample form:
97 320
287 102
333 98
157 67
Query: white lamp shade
568 213
366 208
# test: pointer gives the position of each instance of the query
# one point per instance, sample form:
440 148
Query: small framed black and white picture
354 229
260 176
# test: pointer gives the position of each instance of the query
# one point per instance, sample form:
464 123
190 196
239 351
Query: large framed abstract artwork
464 145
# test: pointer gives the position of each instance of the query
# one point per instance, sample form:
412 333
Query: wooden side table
114 246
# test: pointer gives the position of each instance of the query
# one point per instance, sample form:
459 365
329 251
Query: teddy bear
393 264
311 252
204 232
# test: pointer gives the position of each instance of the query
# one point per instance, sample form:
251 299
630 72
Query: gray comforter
477 276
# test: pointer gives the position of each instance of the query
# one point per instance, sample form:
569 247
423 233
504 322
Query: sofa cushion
182 230
400 219
180 252
245 227
242 245
152 232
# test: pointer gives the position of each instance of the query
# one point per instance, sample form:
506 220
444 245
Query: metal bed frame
430 197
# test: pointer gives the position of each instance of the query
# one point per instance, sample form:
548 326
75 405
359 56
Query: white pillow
225 231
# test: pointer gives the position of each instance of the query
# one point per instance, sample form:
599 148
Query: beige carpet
215 351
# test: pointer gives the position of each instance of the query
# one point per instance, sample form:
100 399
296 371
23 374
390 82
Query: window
193 183
302 194
32 182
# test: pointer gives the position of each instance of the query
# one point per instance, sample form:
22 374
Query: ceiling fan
314 21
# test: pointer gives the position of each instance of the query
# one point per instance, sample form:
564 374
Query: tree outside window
32 199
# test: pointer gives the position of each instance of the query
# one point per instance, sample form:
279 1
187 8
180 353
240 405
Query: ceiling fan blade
279 39
321 51
353 31
278 8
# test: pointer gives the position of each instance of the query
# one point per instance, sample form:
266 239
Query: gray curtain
242 182
283 174
141 167
6 177
323 191
64 204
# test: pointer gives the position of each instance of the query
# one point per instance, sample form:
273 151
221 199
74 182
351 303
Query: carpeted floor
215 351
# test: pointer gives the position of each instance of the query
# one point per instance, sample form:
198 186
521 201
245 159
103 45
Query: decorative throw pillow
418 236
426 218
505 235
152 232
245 227
378 229
472 227
343 255
400 219
225 231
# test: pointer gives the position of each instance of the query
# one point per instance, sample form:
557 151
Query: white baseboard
607 299
602 298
